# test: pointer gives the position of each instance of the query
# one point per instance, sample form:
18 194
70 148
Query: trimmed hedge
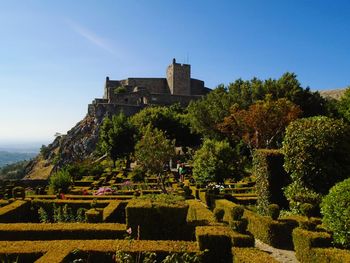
242 240
251 255
315 247
59 231
17 211
157 220
198 214
217 240
110 211
227 206
270 179
59 251
276 233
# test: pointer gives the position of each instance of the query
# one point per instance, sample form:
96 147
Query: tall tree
206 113
344 105
262 125
117 137
153 151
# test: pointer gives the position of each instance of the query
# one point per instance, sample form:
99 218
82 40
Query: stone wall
153 85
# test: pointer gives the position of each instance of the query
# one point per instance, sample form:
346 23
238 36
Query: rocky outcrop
77 145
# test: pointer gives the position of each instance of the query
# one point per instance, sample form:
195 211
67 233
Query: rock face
78 144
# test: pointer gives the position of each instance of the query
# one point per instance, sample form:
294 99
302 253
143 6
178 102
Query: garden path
281 255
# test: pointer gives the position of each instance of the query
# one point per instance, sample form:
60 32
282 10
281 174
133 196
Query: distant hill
13 157
334 94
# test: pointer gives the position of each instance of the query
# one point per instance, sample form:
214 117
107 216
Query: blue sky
55 55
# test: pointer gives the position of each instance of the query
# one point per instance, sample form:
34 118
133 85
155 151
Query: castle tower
179 78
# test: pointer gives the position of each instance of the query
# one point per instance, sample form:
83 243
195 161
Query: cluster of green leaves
204 115
86 168
317 152
117 137
343 105
60 181
61 214
335 208
154 150
151 257
171 120
214 162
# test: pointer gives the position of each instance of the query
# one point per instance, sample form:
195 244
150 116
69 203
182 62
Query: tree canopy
117 137
262 125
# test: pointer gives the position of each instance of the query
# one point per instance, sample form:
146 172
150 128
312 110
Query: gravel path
281 255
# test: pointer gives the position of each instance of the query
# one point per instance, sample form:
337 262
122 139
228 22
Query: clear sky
55 55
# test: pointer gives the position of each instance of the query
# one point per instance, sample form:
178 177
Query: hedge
110 211
58 251
157 220
58 231
217 240
17 211
81 197
313 246
270 179
251 255
242 240
198 214
276 233
227 206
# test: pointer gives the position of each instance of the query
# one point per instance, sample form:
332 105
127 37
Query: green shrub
239 226
317 152
270 179
298 195
335 208
167 214
61 180
307 209
214 162
275 233
217 240
237 212
219 214
273 211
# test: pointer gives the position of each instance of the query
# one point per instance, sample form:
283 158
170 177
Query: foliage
86 168
44 151
120 90
61 214
151 257
237 212
335 208
154 150
344 105
171 120
245 93
262 125
317 152
298 194
60 180
270 179
206 113
214 162
273 211
219 214
117 137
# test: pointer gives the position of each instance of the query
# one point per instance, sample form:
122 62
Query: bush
214 162
273 211
317 152
237 212
298 195
335 208
239 226
219 214
61 180
270 179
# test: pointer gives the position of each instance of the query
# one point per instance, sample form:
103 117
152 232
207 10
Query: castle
133 94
